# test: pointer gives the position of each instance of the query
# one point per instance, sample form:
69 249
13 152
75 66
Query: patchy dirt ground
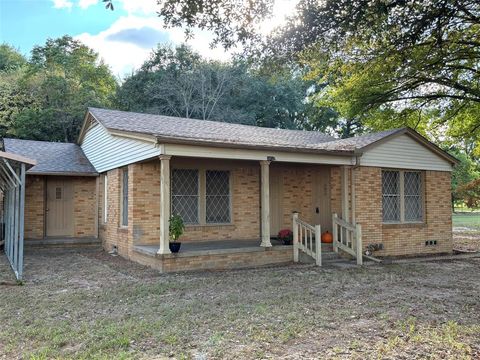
87 304
466 239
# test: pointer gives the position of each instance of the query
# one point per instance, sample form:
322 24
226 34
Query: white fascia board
252 154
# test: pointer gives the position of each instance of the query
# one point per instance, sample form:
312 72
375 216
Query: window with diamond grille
413 195
391 196
185 194
402 196
217 196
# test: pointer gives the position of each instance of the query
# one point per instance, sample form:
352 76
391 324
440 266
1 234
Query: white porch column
265 195
164 204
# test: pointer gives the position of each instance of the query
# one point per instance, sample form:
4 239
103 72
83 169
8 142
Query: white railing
347 237
306 238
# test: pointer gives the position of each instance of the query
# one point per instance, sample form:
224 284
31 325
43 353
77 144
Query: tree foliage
398 62
46 97
465 180
180 82
10 58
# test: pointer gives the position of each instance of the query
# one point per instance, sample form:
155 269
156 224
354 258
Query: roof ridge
211 121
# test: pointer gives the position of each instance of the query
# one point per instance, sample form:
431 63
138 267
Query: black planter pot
287 241
174 246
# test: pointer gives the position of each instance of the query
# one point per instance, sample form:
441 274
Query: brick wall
405 239
298 182
222 260
34 207
297 193
245 206
144 200
112 233
84 205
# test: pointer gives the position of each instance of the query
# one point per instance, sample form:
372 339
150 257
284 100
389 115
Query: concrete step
326 256
326 248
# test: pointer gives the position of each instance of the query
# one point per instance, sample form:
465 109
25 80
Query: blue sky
25 23
124 38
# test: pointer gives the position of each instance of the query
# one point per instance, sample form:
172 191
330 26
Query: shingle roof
176 129
52 157
207 131
359 142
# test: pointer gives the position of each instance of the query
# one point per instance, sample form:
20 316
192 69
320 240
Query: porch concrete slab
213 247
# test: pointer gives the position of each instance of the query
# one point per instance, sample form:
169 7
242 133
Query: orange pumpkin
327 237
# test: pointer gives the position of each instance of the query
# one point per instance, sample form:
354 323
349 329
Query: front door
59 211
276 197
321 204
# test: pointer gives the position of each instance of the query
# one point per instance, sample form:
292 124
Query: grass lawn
87 304
467 219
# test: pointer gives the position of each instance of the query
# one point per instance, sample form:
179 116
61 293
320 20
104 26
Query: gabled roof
52 158
223 134
205 131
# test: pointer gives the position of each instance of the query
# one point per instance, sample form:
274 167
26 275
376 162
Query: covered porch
234 208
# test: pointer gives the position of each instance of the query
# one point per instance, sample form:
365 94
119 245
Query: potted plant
286 236
176 229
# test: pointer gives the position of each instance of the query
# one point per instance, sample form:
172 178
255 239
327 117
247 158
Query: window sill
404 225
194 227
123 229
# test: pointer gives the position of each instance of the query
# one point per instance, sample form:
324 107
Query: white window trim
202 195
402 197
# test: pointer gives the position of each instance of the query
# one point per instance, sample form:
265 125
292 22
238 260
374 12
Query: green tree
179 82
399 61
465 173
64 77
10 58
14 94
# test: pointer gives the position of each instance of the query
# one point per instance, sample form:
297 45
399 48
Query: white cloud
124 56
84 4
62 4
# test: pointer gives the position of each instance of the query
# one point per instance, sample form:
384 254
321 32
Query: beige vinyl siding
106 151
403 152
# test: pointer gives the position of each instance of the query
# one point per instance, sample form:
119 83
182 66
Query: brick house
236 186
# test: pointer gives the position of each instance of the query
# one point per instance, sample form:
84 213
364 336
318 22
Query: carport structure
12 185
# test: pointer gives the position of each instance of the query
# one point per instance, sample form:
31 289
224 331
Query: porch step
64 242
329 256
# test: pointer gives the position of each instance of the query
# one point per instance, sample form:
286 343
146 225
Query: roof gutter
61 173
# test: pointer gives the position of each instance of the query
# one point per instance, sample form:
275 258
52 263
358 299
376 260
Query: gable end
407 151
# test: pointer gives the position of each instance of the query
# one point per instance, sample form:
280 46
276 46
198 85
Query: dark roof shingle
358 142
176 129
207 131
52 157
